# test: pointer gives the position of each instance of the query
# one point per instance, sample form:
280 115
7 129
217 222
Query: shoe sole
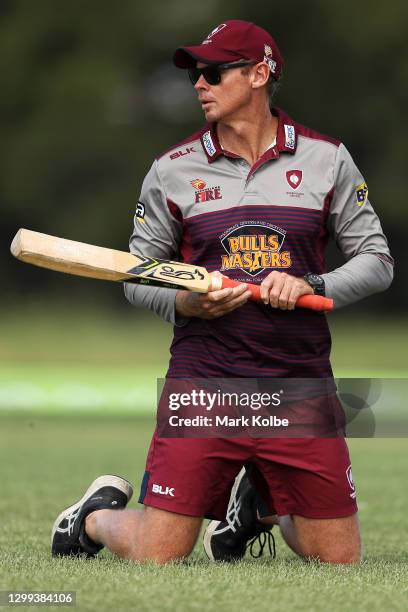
212 525
102 481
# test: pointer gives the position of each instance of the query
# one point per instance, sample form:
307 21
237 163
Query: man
254 195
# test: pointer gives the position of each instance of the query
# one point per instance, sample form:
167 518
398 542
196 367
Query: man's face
228 98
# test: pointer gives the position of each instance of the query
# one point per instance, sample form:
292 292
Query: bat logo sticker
170 272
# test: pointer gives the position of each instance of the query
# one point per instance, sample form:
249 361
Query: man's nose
201 83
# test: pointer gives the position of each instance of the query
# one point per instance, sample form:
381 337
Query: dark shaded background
89 97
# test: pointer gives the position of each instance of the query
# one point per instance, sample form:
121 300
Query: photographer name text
225 421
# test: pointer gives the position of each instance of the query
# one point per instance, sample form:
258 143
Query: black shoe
228 540
68 537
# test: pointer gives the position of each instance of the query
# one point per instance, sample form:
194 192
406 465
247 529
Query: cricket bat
83 259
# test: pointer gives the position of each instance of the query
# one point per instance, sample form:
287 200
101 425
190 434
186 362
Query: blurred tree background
89 97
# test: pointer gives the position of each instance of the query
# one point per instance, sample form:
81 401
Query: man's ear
260 75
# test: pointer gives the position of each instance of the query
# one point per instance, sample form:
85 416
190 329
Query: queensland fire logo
205 195
198 183
294 178
253 247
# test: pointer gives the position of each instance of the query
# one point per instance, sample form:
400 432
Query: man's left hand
282 290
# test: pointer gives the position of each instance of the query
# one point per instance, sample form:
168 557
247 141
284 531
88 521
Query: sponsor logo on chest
204 193
253 247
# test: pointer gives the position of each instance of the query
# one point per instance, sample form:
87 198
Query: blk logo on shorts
294 178
163 490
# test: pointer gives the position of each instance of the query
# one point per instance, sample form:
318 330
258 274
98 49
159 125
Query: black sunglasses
213 72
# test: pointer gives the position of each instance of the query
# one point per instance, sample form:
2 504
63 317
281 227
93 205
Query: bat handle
312 302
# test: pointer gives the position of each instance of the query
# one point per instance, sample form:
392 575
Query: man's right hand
213 304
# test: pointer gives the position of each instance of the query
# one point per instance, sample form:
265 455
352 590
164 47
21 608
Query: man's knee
165 536
330 540
342 555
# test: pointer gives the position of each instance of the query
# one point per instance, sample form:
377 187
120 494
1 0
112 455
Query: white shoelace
71 520
232 517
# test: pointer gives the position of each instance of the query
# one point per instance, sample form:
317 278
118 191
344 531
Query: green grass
134 338
46 462
58 361
77 394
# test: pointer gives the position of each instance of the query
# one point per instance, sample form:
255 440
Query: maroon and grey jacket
203 205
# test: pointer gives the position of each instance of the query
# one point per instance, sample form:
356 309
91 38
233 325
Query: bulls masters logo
252 247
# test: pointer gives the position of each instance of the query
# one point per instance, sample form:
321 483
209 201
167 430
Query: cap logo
208 144
268 51
213 32
268 59
289 136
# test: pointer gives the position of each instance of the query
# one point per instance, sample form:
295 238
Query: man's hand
213 304
281 290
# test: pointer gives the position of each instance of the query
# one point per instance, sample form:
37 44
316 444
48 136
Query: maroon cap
231 41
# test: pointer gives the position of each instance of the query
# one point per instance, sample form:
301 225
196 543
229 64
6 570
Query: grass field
52 360
76 394
47 462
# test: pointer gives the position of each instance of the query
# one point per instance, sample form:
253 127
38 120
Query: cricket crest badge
294 178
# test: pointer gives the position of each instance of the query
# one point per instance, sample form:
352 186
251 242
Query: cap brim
187 57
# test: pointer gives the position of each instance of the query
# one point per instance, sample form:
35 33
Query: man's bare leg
144 535
328 540
91 523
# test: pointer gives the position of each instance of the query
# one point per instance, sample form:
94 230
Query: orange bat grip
313 302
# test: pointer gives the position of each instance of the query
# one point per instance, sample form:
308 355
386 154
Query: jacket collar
286 138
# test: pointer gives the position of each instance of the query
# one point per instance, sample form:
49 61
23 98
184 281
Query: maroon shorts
310 477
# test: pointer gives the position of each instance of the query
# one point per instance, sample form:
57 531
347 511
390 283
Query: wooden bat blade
83 259
63 255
